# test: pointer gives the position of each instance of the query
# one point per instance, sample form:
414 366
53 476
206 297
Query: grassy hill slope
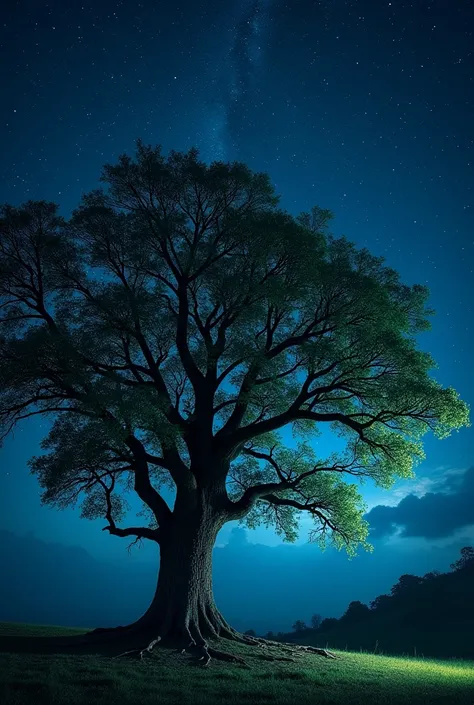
389 635
168 677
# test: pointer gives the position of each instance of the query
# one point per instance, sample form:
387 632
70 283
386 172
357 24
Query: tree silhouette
382 603
299 626
407 616
466 561
171 328
432 575
356 612
328 623
406 584
316 621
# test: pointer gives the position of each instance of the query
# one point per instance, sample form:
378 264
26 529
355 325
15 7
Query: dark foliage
328 624
419 610
466 562
356 612
299 626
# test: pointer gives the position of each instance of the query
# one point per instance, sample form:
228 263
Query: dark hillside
431 615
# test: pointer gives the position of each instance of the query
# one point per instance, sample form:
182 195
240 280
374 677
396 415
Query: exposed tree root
294 648
219 655
141 652
209 652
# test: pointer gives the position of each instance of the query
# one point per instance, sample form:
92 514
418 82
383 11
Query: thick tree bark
183 607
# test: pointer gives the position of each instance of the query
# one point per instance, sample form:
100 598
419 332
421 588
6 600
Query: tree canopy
356 611
179 320
466 561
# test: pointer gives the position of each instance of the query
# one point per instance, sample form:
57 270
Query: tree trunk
183 606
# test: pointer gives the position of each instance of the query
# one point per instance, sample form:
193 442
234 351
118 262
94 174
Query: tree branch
269 458
143 486
237 510
141 532
280 375
194 373
155 460
228 370
313 508
228 442
241 404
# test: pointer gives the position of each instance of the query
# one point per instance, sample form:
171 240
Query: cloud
433 515
441 479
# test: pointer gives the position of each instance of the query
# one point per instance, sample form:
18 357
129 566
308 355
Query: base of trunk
172 623
189 631
134 642
184 642
207 653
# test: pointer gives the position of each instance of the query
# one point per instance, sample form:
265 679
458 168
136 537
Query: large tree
172 327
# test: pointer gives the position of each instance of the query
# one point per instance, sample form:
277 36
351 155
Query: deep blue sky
365 108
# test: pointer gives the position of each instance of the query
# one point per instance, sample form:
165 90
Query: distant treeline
418 615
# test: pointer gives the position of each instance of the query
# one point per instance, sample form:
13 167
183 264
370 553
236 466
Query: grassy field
166 677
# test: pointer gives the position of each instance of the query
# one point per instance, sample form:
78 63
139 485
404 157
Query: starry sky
364 107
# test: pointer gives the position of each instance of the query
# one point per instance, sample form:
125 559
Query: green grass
167 677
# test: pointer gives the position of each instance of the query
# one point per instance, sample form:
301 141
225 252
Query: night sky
365 108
